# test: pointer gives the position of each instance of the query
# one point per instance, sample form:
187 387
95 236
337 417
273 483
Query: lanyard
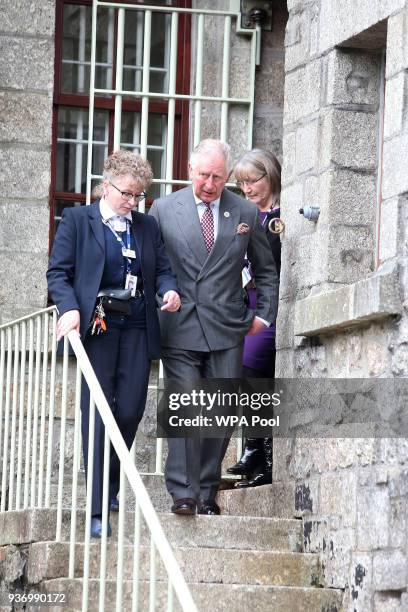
119 239
268 212
263 222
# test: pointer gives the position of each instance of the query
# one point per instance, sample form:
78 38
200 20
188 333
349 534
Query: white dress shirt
118 222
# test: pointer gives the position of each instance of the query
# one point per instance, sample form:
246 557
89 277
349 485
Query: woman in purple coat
258 175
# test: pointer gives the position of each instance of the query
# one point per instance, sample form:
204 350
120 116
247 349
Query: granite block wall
26 87
343 309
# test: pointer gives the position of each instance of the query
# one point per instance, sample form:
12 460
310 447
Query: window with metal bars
71 97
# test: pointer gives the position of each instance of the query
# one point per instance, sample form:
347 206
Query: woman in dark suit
258 174
110 246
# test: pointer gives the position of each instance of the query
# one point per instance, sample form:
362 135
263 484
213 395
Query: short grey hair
210 146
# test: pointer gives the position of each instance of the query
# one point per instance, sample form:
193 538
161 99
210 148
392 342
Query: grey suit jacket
213 315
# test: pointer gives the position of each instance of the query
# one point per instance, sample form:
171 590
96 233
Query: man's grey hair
210 146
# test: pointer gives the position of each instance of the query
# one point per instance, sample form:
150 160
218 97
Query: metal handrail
28 317
133 476
27 403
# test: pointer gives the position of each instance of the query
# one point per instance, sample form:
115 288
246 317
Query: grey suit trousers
193 467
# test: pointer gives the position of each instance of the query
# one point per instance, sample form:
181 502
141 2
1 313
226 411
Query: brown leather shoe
185 506
208 507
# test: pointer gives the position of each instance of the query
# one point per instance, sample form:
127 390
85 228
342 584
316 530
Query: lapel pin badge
226 214
242 228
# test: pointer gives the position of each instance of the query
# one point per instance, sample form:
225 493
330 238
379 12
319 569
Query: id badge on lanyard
128 254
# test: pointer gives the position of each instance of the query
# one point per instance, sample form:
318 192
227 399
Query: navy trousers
119 358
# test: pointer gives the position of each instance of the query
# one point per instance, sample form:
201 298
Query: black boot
265 477
252 459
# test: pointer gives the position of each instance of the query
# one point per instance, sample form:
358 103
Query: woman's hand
171 301
69 320
257 326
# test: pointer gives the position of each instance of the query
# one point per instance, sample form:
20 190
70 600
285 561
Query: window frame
160 107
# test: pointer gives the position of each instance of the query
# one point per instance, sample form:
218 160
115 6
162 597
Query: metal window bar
78 152
172 102
167 179
145 83
119 79
166 54
81 48
31 340
139 52
111 31
199 80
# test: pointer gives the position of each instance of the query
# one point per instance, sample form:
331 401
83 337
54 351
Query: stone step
208 597
235 532
154 484
48 560
277 500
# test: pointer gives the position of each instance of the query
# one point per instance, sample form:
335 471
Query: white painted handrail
133 476
28 411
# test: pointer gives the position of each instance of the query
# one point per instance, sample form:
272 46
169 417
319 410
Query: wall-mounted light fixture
256 11
257 14
310 212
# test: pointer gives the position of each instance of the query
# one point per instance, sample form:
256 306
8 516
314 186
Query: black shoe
265 476
252 459
208 507
114 504
96 528
258 481
185 506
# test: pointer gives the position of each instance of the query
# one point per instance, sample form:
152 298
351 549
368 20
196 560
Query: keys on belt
98 321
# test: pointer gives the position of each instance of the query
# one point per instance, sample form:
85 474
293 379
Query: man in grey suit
208 231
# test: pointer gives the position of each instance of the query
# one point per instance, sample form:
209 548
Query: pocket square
242 228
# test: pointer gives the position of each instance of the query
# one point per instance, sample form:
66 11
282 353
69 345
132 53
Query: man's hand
69 320
171 301
256 327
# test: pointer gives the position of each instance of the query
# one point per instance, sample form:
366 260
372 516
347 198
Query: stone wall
269 84
343 282
269 80
26 86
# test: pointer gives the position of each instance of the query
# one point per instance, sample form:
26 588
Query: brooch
276 225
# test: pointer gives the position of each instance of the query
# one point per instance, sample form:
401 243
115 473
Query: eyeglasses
128 195
250 182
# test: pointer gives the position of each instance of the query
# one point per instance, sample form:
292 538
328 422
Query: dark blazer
213 312
77 262
274 239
